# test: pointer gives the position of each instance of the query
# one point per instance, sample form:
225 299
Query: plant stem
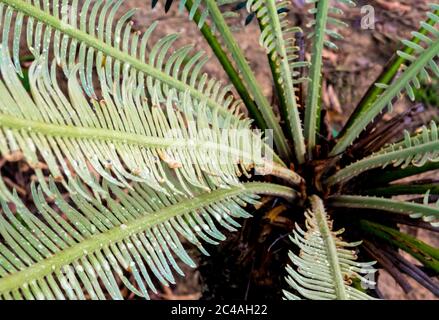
312 110
281 172
250 79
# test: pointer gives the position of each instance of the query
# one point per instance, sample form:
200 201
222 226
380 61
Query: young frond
327 265
278 38
426 211
323 12
414 150
79 248
418 65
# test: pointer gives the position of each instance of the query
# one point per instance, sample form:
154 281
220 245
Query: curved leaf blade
326 264
136 232
418 61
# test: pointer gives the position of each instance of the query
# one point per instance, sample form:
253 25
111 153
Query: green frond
249 79
121 138
391 174
89 36
81 248
423 252
212 10
414 150
131 133
420 64
277 37
396 189
324 13
327 265
327 20
391 70
429 213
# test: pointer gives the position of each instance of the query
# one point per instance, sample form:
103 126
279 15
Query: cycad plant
136 153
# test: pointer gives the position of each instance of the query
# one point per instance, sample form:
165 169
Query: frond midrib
66 131
389 205
151 142
313 95
95 242
331 248
292 109
379 160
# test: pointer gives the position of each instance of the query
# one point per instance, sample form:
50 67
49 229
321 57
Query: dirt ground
348 73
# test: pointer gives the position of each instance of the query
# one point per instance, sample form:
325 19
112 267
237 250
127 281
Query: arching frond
82 248
390 174
327 265
418 65
417 150
277 38
122 137
429 213
89 36
323 12
391 70
421 251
